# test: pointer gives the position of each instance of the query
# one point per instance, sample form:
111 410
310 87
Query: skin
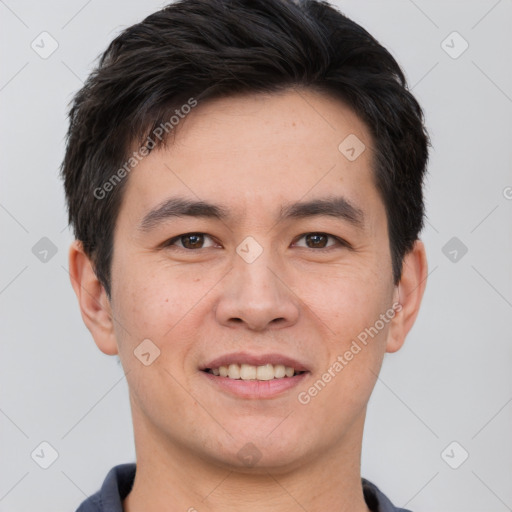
251 154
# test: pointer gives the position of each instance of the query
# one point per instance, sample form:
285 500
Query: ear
408 294
92 298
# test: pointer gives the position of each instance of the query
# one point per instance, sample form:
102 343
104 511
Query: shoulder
376 500
115 488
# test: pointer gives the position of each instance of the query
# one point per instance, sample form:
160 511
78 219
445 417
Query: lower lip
258 389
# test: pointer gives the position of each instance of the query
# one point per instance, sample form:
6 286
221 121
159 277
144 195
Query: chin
258 446
253 459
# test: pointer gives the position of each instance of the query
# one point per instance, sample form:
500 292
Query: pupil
317 240
192 241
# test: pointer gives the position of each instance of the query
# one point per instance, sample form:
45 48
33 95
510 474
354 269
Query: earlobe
92 298
408 294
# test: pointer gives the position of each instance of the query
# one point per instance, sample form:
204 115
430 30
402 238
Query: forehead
253 151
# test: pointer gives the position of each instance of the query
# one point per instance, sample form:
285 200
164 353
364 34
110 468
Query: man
244 178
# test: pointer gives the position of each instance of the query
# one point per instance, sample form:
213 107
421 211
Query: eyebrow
181 207
338 207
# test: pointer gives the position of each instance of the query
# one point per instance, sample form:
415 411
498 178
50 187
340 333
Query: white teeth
247 372
234 371
279 371
250 372
265 372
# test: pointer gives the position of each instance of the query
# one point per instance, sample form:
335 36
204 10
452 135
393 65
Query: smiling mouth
249 372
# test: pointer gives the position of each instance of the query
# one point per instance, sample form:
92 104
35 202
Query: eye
319 241
190 241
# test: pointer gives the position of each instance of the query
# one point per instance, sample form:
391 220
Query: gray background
451 381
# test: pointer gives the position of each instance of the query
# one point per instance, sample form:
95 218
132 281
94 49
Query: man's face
267 280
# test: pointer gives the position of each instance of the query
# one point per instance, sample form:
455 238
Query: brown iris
318 240
192 241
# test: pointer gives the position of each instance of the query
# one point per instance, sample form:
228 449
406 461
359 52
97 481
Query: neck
170 477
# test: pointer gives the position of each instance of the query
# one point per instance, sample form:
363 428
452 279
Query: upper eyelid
171 241
174 239
317 233
338 239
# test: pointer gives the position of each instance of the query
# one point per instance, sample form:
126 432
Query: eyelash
340 241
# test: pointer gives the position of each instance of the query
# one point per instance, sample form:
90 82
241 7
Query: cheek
146 297
150 305
349 308
152 300
345 301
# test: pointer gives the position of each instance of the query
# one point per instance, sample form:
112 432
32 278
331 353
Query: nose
257 296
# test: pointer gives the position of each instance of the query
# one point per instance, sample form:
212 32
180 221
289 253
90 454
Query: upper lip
255 360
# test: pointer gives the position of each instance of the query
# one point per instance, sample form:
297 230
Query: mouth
257 377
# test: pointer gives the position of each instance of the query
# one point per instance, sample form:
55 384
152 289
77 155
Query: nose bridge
256 278
254 294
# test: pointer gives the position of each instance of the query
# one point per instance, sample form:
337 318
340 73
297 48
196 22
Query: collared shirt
119 481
